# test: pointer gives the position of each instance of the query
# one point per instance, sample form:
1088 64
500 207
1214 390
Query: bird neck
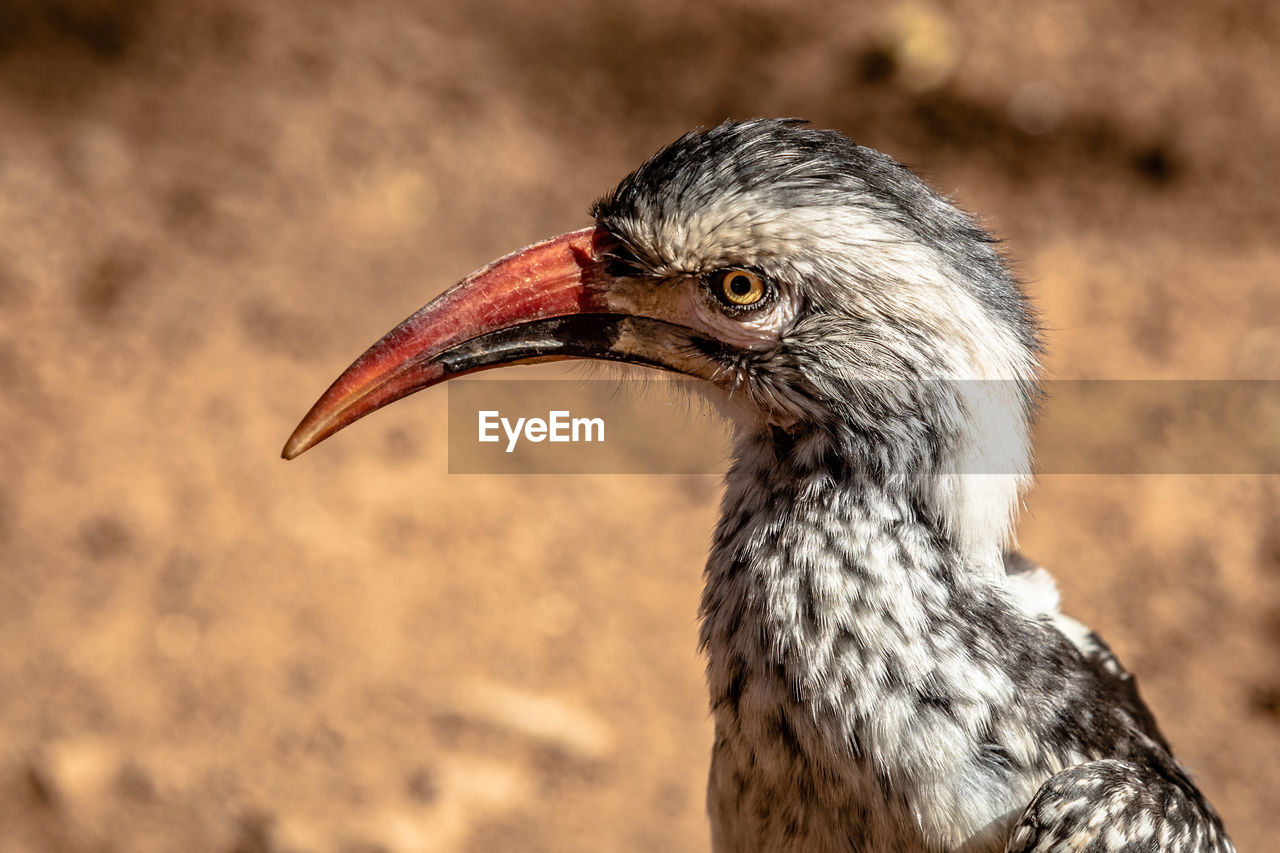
839 608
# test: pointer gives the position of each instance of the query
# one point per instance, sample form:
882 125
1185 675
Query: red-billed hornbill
885 676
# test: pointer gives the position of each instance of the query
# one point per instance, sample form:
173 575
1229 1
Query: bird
887 673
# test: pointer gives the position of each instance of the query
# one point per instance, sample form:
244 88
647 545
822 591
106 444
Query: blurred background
207 209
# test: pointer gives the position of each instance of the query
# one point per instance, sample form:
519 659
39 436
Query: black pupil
740 285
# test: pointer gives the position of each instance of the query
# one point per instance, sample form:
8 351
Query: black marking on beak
608 337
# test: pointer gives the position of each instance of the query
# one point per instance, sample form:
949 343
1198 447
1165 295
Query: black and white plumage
884 675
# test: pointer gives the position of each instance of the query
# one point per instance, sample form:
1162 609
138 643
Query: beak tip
297 444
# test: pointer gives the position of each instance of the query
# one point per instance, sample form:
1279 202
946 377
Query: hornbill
885 674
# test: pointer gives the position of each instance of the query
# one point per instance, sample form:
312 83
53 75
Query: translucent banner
669 427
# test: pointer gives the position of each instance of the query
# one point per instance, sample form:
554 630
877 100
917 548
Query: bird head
819 283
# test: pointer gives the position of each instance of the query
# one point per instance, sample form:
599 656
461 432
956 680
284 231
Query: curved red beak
552 300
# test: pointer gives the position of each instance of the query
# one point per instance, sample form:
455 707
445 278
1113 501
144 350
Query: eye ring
740 289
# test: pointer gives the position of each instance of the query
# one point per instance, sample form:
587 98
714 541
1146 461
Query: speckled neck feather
872 691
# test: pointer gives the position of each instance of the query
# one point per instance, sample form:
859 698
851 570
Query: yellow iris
742 288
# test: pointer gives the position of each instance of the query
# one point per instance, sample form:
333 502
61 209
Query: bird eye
738 288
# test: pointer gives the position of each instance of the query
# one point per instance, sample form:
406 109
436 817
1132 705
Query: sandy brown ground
208 208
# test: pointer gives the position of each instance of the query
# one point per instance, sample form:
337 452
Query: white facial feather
886 275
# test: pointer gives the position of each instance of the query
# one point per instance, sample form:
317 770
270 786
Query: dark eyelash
621 261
